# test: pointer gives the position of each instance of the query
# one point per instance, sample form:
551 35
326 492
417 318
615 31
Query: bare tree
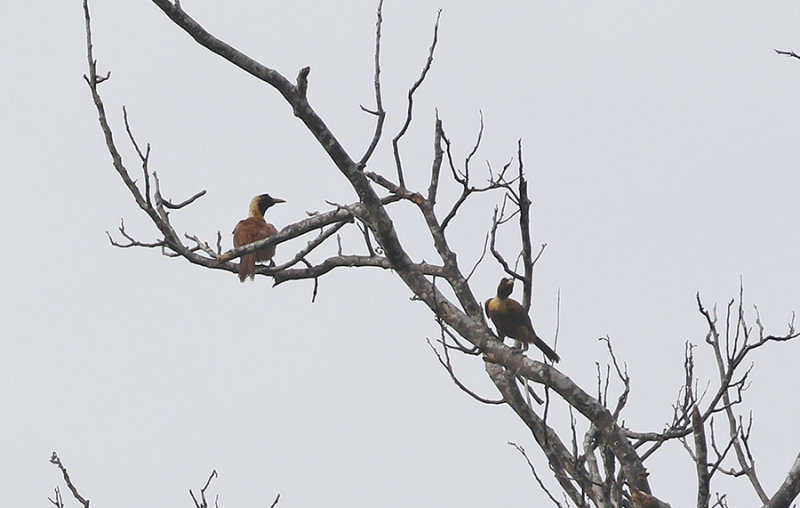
603 465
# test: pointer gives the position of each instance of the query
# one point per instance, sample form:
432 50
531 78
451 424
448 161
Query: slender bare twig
622 374
542 486
524 204
320 269
787 53
445 362
313 244
203 503
275 503
379 112
475 147
57 461
480 258
410 108
144 156
189 201
57 500
438 156
132 242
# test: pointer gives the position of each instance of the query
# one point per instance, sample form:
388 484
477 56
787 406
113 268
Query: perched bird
512 320
251 230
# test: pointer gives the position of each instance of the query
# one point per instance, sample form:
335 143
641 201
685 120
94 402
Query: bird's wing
518 314
269 229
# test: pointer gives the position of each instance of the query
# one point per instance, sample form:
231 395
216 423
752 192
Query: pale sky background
661 145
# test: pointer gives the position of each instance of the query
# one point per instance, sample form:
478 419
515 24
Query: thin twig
410 107
542 486
445 362
379 112
787 53
55 460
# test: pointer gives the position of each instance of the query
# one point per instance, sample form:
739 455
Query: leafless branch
55 460
701 460
463 178
542 486
496 221
203 503
438 156
131 242
410 108
57 501
178 206
445 362
201 245
320 269
622 374
571 476
379 112
787 53
144 156
465 175
480 258
524 204
313 244
788 490
275 503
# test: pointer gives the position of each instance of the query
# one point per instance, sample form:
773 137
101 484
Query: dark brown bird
512 320
253 229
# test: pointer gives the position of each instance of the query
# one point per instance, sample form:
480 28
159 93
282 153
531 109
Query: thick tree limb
701 460
788 490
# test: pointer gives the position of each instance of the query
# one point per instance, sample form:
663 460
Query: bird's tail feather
247 267
546 350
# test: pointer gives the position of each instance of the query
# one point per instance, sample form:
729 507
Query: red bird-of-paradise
253 229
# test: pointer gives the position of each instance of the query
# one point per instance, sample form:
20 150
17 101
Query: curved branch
410 108
448 366
379 112
55 460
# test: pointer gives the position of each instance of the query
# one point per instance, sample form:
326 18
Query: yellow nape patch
495 305
254 211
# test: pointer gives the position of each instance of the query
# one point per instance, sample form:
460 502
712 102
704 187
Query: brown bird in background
512 320
253 229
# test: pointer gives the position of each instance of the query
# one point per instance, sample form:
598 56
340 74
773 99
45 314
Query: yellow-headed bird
253 229
511 319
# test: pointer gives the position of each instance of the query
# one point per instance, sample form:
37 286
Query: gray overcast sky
660 140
